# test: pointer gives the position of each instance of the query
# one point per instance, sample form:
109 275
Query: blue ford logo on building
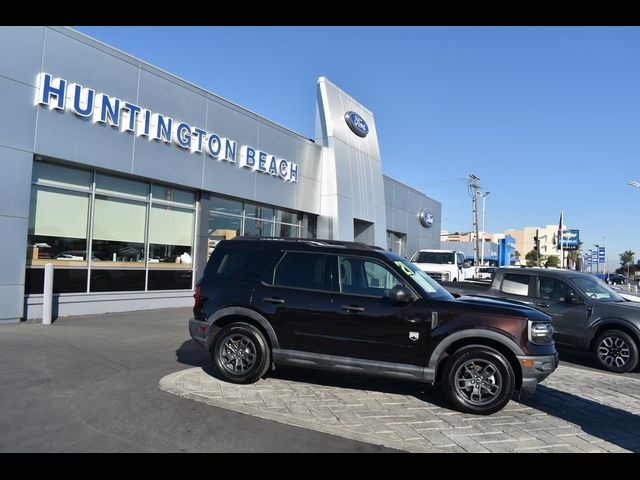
426 218
356 124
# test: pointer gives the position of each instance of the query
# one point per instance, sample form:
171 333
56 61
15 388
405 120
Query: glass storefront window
130 231
173 195
57 227
222 227
60 176
118 232
286 231
223 205
170 237
257 228
109 185
258 211
287 217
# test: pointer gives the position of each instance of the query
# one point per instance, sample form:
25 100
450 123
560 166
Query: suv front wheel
240 353
616 351
478 379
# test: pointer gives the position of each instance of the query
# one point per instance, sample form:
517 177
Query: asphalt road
90 384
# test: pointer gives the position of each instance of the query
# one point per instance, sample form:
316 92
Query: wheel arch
613 324
488 338
228 315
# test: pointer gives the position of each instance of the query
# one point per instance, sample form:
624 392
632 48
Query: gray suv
586 313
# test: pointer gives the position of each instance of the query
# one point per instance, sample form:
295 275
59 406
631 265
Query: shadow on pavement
421 391
611 424
190 353
587 359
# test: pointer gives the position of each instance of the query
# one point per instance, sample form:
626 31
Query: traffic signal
536 243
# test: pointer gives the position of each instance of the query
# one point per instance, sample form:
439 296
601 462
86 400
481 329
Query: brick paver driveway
572 411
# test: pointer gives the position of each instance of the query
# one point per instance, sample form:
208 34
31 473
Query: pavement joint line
498 441
542 447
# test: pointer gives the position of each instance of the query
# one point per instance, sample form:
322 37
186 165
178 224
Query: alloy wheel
614 351
237 354
478 381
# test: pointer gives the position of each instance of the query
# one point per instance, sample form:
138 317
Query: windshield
446 258
595 288
430 287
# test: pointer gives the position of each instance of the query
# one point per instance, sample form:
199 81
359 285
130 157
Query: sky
547 117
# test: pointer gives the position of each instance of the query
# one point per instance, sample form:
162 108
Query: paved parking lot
91 384
574 410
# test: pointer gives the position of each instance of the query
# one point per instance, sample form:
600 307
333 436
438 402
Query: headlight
541 333
446 276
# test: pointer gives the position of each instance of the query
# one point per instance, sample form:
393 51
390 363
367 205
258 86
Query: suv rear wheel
616 351
240 353
478 379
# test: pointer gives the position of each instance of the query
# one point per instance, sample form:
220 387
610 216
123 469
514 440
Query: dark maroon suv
348 307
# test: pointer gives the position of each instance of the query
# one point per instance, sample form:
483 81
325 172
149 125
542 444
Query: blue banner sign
570 239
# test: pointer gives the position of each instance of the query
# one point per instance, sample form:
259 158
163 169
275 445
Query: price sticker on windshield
404 268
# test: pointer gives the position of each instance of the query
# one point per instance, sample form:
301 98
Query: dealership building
125 177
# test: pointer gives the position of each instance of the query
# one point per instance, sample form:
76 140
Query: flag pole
561 239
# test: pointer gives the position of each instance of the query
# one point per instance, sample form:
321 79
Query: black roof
312 242
546 271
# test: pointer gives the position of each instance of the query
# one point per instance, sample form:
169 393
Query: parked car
587 313
615 278
484 273
348 307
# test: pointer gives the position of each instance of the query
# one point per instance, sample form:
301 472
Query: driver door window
554 290
360 276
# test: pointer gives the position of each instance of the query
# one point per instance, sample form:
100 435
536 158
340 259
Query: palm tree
626 258
573 257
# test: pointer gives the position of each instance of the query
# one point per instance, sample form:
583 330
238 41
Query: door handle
542 305
273 300
352 308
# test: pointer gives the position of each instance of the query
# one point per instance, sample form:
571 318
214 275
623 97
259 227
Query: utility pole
472 182
484 214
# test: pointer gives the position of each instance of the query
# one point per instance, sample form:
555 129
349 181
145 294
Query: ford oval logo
356 124
426 218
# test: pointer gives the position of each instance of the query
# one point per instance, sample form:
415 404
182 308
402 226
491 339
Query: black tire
459 381
240 353
616 351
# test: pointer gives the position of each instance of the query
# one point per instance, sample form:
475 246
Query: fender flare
439 351
613 321
252 314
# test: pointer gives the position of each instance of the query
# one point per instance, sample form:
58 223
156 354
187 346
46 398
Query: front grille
435 275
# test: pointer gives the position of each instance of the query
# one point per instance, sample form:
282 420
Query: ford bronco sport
353 308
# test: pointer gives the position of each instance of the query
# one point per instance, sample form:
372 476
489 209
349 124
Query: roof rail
315 241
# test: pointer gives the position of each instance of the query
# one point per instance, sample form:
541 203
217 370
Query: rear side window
239 264
515 284
303 270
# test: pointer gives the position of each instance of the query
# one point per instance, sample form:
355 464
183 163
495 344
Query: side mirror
574 300
466 264
399 294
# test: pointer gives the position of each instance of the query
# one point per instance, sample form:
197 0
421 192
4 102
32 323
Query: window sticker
404 268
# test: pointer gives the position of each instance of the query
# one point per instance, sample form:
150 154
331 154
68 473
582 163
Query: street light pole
484 214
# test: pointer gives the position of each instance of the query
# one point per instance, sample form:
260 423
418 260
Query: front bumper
535 368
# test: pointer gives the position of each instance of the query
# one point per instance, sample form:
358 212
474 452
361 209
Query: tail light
198 299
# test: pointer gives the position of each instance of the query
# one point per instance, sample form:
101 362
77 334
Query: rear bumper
199 331
535 368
